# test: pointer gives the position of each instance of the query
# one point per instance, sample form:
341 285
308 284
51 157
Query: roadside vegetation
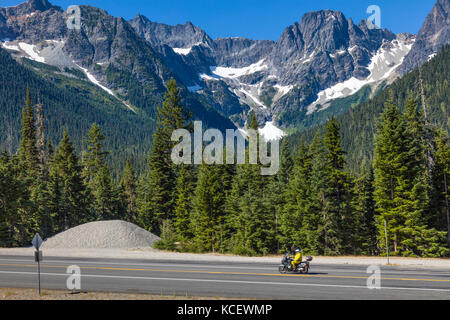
314 201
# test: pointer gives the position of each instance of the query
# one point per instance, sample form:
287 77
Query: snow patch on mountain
182 51
382 65
340 52
204 76
248 94
97 83
186 51
271 132
10 47
31 51
283 89
232 73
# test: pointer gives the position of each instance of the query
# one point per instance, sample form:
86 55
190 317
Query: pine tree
209 207
160 179
67 190
8 202
276 200
183 205
105 194
27 171
94 158
388 162
28 153
365 209
318 211
339 219
252 222
128 186
402 183
441 180
295 221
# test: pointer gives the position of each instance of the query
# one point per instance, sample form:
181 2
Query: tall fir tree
183 205
209 205
253 225
296 226
160 181
365 211
402 184
97 176
339 219
128 190
67 190
441 179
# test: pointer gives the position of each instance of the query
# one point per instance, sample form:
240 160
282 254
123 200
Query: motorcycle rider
293 248
297 259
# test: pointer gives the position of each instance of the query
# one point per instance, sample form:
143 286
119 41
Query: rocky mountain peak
179 36
325 29
31 6
433 35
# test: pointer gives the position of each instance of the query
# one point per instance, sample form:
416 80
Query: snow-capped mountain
323 57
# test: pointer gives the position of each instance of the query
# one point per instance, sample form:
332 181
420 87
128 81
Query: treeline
313 200
74 104
358 123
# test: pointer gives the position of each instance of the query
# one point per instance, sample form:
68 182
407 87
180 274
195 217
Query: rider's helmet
298 250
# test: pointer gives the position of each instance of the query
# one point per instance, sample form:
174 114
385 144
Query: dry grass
32 294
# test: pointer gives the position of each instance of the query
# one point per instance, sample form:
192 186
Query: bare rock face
179 36
232 76
269 77
434 34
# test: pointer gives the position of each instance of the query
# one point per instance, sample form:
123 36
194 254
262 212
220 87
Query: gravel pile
103 234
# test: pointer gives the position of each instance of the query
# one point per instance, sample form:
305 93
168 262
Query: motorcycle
286 265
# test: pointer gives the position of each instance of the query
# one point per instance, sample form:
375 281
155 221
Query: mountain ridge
316 60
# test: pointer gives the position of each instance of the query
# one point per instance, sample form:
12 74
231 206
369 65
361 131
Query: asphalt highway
230 280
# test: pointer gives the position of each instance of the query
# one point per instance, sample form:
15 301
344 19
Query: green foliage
358 125
159 182
314 201
128 192
402 184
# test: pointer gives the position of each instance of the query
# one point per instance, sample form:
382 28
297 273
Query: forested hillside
70 101
313 201
73 104
359 124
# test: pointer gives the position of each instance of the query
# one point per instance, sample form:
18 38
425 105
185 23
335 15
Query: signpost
37 242
387 246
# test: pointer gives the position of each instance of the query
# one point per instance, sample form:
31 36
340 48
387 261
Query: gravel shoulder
153 254
31 294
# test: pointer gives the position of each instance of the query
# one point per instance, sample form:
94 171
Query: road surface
231 279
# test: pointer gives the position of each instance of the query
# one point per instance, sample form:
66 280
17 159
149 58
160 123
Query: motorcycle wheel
282 269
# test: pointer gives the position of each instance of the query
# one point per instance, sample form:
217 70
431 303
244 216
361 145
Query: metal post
39 275
387 246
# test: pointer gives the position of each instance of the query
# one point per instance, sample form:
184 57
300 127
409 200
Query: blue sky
256 19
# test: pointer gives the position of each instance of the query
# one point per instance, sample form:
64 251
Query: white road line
144 264
363 270
230 281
